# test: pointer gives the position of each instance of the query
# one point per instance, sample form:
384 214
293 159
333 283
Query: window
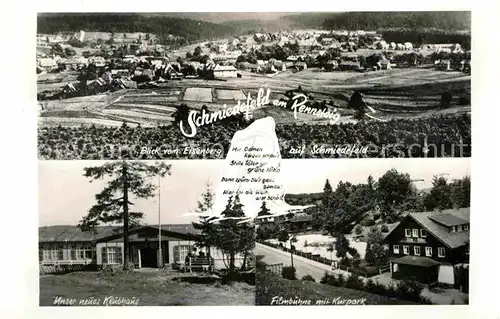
428 251
441 252
46 254
416 250
453 229
415 233
406 250
83 252
396 249
180 253
423 233
459 227
466 226
112 255
53 254
408 232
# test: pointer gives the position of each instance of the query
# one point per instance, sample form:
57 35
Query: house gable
398 234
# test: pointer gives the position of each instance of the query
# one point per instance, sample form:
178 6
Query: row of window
457 228
417 252
65 254
415 233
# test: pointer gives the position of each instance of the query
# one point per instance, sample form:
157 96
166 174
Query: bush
308 278
354 282
340 280
409 290
384 228
330 280
325 278
358 230
367 221
289 272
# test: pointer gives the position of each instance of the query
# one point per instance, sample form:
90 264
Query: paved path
302 265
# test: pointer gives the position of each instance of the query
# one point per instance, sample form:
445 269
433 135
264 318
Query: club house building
68 245
427 246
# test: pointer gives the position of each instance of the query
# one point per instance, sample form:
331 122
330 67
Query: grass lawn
150 289
269 286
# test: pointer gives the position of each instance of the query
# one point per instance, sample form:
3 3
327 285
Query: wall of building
398 237
66 253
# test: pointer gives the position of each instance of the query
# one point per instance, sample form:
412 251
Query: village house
384 64
443 65
252 67
465 66
408 46
46 63
300 66
309 44
73 63
299 222
427 246
68 245
225 72
332 65
382 45
98 61
447 47
326 41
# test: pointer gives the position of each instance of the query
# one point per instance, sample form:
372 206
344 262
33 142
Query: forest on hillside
448 20
189 29
415 27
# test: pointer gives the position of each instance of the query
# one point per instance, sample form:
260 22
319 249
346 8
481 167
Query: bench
197 264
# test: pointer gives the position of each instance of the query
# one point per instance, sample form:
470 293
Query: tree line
191 30
393 193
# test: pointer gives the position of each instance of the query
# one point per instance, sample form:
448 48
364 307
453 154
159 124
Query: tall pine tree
205 225
233 237
126 179
264 211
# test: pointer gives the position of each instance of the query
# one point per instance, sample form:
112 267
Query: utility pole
160 253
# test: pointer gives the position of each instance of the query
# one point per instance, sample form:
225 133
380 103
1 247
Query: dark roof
61 233
416 261
448 219
73 233
452 240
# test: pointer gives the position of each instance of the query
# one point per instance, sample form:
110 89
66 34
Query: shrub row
406 290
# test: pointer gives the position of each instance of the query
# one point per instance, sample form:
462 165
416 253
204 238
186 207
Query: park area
151 288
269 286
318 244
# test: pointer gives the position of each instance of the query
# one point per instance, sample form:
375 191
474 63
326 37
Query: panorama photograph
395 84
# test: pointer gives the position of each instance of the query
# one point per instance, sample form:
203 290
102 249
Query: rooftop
453 240
62 233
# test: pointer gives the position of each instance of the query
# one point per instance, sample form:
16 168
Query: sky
65 195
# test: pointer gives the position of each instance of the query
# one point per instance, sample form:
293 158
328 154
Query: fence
64 269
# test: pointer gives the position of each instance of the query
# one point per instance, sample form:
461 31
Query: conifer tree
125 180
